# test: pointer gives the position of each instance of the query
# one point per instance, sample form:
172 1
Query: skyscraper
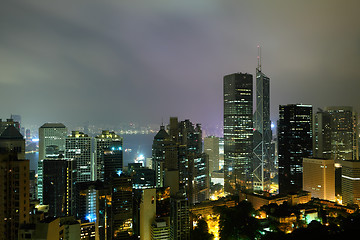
343 122
51 139
294 144
78 147
14 184
262 133
211 148
108 154
238 131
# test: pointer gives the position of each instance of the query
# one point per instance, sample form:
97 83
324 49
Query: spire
259 58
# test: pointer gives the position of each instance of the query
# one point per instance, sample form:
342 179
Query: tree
201 231
238 223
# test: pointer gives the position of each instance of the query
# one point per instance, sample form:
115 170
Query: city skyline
67 65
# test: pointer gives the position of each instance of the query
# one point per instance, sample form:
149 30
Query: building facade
238 131
108 155
78 148
319 178
294 144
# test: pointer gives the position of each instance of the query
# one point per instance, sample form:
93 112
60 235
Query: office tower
335 134
147 212
238 131
179 218
160 229
164 155
211 148
262 133
350 182
59 178
121 207
7 123
14 183
319 178
78 148
108 155
51 139
294 144
344 144
193 164
322 135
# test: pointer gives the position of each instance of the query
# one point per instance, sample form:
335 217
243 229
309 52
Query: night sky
144 60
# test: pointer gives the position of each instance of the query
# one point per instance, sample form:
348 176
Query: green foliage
238 223
201 231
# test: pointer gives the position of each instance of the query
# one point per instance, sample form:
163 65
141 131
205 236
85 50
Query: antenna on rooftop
259 58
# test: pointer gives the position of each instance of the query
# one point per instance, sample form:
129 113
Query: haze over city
122 61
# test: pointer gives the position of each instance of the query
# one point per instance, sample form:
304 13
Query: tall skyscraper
344 144
78 148
238 131
14 184
319 178
262 133
51 139
294 144
108 154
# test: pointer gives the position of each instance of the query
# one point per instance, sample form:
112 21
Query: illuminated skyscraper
78 148
51 140
262 133
294 144
238 131
344 139
108 155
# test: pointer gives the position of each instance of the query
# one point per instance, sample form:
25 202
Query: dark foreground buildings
294 144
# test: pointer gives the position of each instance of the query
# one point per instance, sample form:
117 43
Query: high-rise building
211 148
164 155
262 133
121 207
59 178
319 178
108 155
193 164
294 144
14 184
78 148
51 140
335 133
350 182
238 131
179 218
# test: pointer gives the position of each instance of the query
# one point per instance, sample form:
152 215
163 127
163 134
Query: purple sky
144 60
